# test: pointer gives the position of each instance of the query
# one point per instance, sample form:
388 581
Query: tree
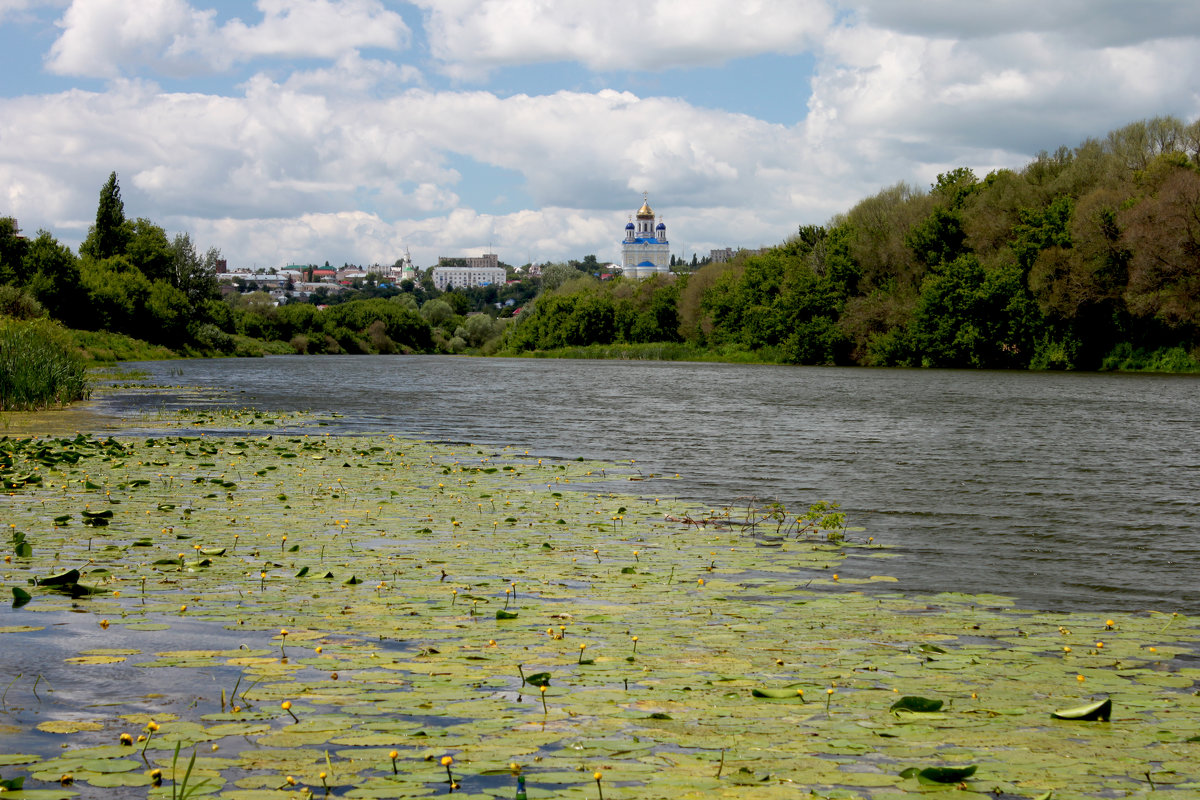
192 274
12 253
437 312
555 275
1163 233
110 235
54 279
149 250
971 317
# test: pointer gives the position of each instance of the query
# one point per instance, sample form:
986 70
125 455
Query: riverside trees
1086 258
129 278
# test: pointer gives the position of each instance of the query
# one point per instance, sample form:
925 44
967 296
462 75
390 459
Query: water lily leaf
788 693
20 597
1100 710
95 659
912 703
113 780
939 775
68 726
61 579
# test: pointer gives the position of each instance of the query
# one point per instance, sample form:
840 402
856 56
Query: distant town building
726 254
481 270
645 250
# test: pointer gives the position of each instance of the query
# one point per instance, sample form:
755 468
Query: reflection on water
1066 491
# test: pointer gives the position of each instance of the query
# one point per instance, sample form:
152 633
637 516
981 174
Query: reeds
37 367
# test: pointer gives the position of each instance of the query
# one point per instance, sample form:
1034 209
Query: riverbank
400 596
105 347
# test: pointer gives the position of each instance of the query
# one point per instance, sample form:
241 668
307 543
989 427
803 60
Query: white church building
645 250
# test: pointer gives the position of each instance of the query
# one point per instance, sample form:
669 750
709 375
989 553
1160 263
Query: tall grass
38 367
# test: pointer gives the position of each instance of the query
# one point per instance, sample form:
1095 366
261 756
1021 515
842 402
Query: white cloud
1089 23
316 28
357 158
923 100
110 38
21 10
281 153
474 36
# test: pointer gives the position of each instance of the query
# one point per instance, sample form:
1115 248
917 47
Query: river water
1065 491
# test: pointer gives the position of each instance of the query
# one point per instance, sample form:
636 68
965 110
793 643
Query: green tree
12 253
437 312
54 279
555 275
191 273
149 249
117 296
110 235
971 317
167 314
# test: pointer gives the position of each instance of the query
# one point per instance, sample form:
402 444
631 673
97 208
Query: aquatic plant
38 368
393 674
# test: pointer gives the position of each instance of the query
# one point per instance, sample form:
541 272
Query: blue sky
286 131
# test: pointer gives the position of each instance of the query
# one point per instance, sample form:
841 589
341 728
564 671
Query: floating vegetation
274 613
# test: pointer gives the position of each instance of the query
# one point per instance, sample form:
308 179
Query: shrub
19 304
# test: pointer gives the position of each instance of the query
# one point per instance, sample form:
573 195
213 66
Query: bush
38 367
1126 358
19 304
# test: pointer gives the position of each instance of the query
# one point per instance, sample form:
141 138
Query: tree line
1086 258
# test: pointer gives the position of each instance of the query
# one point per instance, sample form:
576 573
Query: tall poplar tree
110 235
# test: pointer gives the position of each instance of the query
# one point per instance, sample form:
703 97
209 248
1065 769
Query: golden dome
645 211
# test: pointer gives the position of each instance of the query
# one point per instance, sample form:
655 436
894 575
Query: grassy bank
38 367
343 614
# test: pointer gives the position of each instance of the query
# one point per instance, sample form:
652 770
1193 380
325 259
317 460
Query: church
645 250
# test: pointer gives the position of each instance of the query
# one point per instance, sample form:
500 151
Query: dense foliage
1087 258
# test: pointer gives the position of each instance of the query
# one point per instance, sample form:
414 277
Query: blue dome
629 226
662 226
646 264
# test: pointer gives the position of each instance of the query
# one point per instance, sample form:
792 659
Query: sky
352 131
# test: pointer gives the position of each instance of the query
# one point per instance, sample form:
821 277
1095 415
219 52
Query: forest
1087 258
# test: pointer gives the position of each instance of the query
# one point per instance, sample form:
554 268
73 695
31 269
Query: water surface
1066 491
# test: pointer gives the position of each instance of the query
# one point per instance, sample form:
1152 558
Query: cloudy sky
305 131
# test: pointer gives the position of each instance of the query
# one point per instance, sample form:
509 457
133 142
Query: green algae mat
275 614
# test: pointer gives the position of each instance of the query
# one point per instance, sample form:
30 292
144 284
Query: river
1065 491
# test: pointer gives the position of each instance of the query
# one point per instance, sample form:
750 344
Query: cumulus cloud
279 152
1089 23
474 36
110 38
359 157
890 94
18 10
